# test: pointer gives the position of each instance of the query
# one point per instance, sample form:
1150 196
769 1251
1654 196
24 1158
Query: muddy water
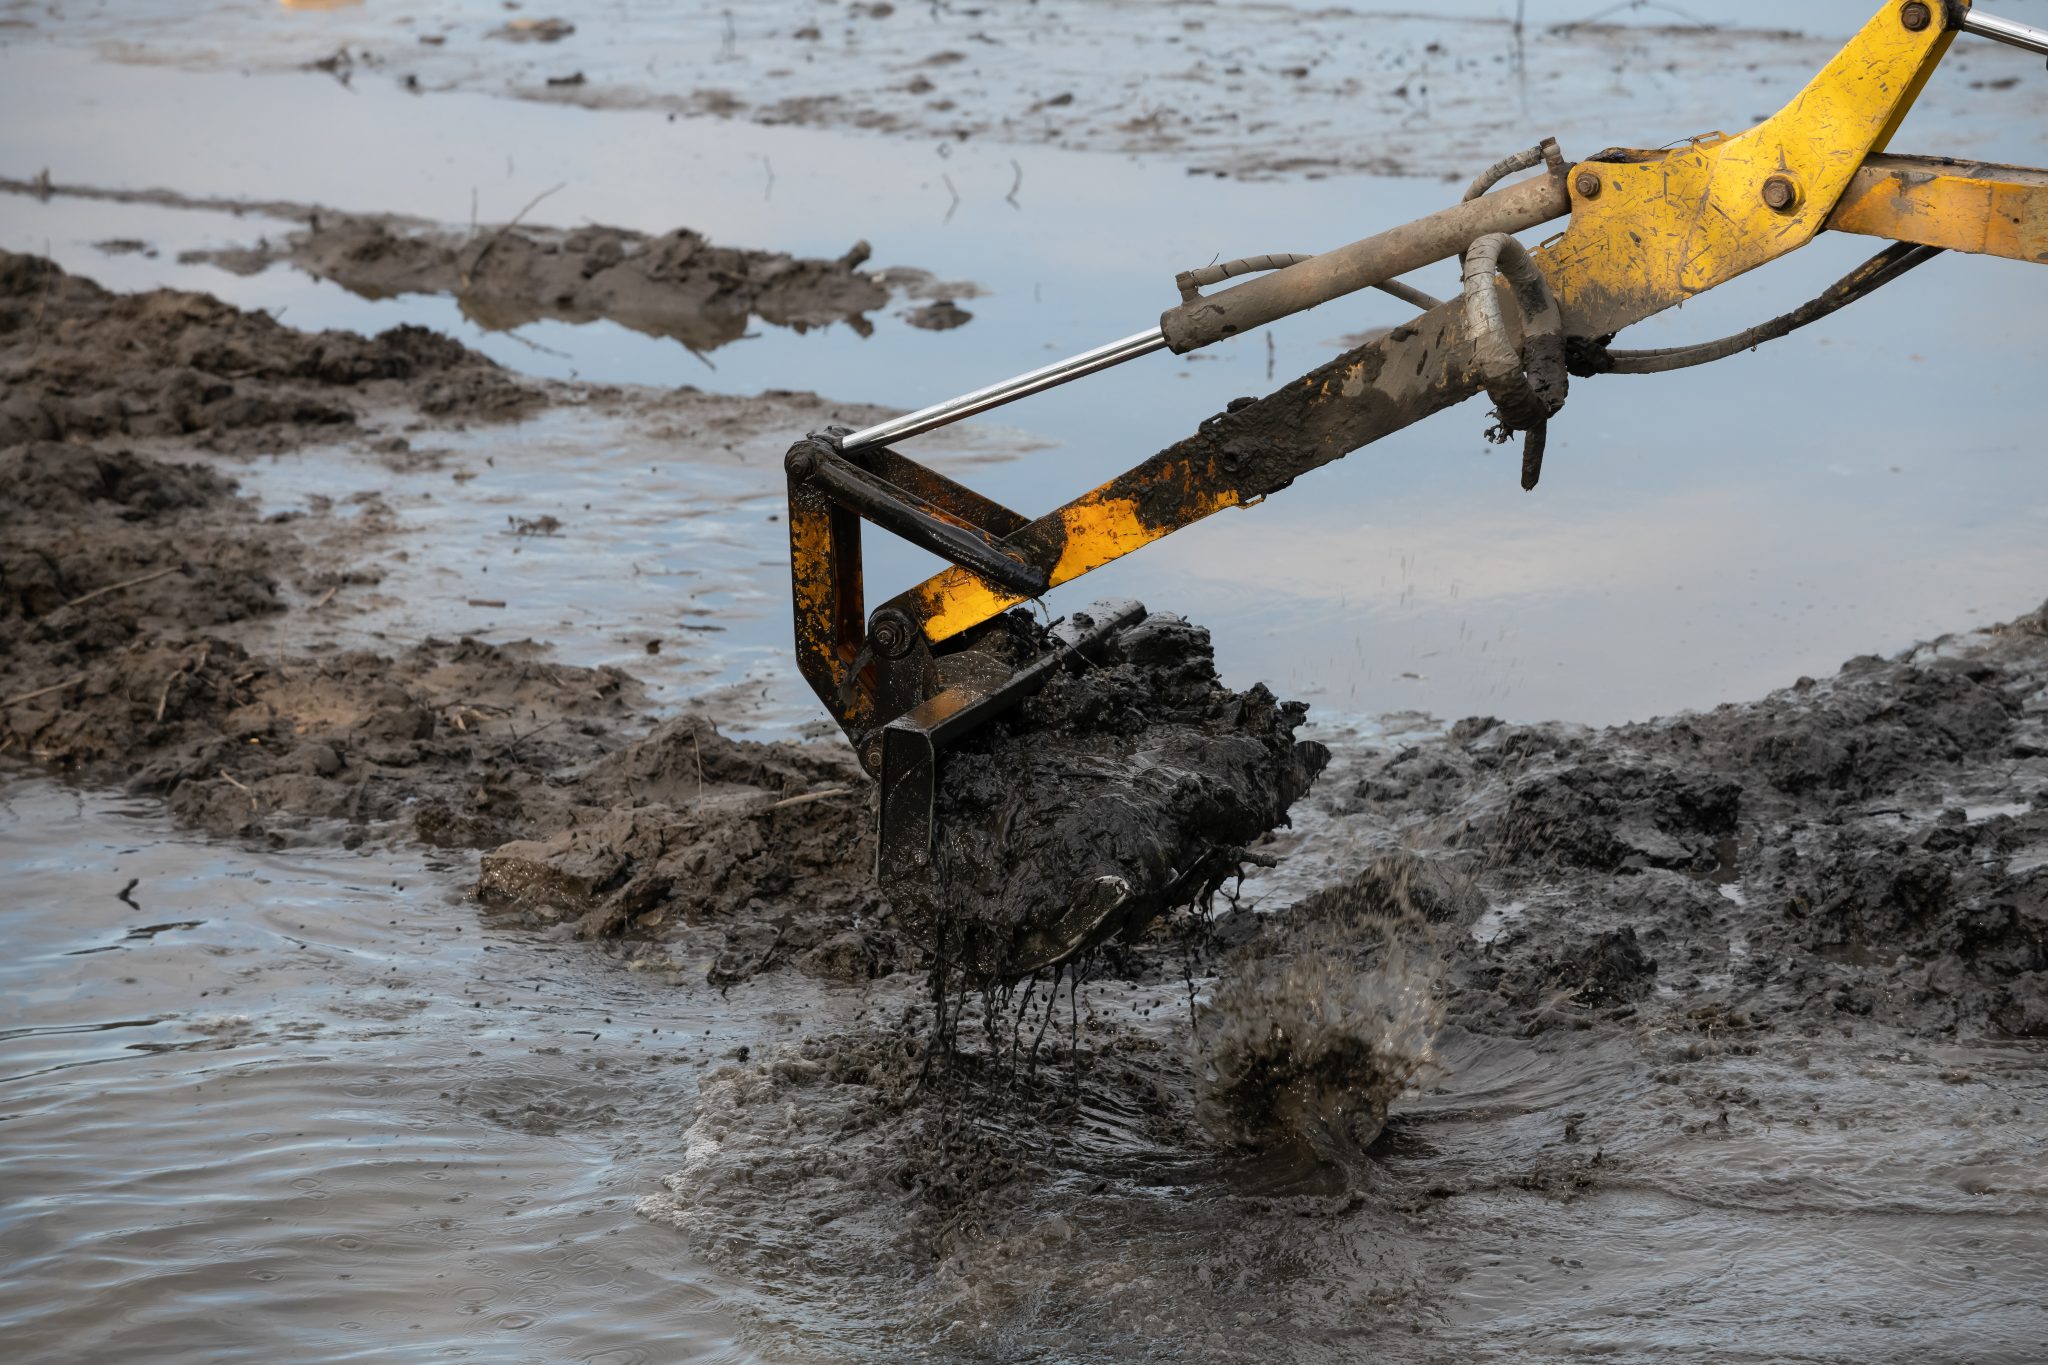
304 1105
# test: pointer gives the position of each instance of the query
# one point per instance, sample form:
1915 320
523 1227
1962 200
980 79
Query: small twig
163 698
123 893
954 207
125 583
45 691
469 275
519 739
241 788
325 598
1017 184
806 798
699 752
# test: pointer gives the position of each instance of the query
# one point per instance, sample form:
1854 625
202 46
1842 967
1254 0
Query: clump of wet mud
675 284
78 362
1116 793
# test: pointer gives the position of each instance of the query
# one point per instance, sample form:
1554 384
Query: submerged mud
1118 792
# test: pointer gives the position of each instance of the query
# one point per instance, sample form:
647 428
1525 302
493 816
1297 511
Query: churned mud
1872 845
1553 975
1238 88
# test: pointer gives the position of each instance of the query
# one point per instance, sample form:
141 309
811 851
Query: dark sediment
1113 795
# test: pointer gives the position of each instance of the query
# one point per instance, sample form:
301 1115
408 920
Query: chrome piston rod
2006 31
1009 391
1200 320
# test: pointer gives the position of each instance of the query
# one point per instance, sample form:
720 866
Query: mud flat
1248 90
1530 1025
675 285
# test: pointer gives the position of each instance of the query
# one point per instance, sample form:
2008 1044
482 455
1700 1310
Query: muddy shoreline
1852 865
675 285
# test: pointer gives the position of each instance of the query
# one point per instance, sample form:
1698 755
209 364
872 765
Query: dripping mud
1506 994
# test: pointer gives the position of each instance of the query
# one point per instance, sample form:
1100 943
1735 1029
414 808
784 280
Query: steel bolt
891 633
801 462
1781 194
871 756
1587 184
1915 16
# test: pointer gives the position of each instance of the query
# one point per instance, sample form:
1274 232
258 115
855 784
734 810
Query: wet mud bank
675 285
1868 846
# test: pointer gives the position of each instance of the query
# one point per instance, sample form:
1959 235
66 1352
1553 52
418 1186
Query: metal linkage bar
904 514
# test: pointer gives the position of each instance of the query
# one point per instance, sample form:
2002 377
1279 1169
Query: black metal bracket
905 855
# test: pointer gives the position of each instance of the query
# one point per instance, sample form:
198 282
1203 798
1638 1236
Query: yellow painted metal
1097 528
1666 225
1937 201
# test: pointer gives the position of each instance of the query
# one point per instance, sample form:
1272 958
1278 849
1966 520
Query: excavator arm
1646 230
